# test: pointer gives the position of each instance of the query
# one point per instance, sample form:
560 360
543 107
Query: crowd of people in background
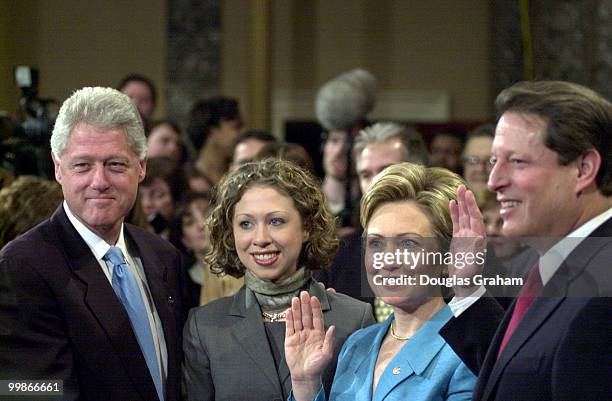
184 164
207 186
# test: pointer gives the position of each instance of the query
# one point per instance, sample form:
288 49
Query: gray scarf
276 296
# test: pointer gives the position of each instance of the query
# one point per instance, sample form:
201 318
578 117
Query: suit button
170 300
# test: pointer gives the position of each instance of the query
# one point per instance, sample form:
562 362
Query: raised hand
308 348
469 237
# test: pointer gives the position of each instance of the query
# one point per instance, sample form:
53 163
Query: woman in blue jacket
406 215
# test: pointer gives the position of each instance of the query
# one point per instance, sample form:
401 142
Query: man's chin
103 223
510 229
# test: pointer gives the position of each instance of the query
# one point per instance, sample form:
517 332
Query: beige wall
410 45
438 45
236 51
82 43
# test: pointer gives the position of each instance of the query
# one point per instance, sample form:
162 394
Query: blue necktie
126 288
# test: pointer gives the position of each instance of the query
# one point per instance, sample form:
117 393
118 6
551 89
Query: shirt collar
554 257
98 246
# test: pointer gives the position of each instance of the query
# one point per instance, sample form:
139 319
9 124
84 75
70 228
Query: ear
58 171
143 169
588 164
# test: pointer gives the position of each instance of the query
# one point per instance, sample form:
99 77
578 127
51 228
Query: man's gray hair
103 109
414 149
346 99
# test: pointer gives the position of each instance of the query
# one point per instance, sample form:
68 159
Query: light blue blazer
426 368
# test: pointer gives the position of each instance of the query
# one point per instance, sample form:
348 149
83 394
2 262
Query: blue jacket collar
414 357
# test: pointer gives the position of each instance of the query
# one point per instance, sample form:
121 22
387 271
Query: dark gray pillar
571 41
193 55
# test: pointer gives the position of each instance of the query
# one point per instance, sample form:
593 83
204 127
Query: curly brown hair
290 180
25 203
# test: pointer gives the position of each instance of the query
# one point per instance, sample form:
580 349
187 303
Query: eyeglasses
477 160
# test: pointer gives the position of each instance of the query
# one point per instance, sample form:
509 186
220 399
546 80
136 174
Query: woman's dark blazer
227 354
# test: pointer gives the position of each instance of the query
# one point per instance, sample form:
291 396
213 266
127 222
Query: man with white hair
84 298
376 147
384 144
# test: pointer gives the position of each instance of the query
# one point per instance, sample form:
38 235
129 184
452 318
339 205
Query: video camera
26 150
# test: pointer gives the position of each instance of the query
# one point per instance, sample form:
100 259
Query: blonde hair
430 188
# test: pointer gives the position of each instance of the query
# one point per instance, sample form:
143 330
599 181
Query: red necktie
528 293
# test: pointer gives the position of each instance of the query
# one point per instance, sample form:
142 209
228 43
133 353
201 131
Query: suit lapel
104 305
250 333
396 371
415 356
553 293
552 296
535 316
365 363
156 275
574 279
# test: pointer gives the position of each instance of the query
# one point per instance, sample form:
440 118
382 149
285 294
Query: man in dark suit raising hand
551 171
85 298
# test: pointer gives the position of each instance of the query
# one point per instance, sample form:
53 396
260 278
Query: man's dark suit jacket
346 274
562 349
61 319
228 356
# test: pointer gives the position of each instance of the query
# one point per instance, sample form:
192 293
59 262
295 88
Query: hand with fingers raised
308 348
469 237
